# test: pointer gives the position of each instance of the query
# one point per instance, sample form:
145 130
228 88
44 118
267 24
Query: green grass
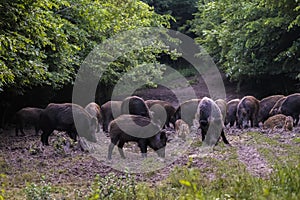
186 183
275 152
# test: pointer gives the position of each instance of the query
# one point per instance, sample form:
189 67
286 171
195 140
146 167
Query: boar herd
145 122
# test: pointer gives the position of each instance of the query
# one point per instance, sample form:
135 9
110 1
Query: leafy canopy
43 42
251 39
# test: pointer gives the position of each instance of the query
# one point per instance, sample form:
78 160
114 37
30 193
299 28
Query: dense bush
113 187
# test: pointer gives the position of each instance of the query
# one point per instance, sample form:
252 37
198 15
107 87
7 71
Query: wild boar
231 112
288 124
182 129
211 122
265 106
156 111
94 110
291 107
28 115
186 111
135 105
138 129
278 121
110 110
247 110
277 105
68 117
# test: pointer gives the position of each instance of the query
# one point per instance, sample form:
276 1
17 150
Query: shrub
113 187
38 192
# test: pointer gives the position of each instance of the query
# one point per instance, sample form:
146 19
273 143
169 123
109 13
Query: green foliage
113 186
38 192
251 39
43 42
63 144
34 46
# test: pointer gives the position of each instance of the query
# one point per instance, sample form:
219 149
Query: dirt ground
23 159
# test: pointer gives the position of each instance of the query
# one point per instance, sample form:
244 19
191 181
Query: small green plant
38 192
113 187
63 145
2 184
194 191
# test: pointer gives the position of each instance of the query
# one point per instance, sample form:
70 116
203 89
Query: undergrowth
188 183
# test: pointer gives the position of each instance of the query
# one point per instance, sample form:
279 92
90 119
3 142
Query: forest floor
72 171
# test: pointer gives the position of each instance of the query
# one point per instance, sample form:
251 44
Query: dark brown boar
211 122
158 109
139 129
277 105
247 110
110 110
186 111
265 106
135 105
28 115
94 110
291 107
68 117
231 112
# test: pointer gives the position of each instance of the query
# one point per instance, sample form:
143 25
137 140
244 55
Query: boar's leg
110 149
120 148
239 123
204 128
143 147
45 136
224 138
105 124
